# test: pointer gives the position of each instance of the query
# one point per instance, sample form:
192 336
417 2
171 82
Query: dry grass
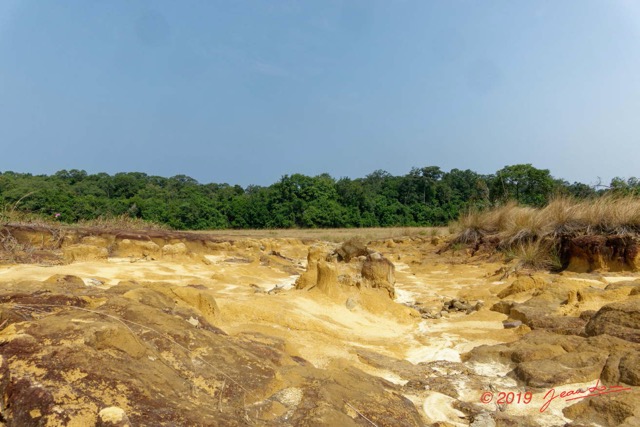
14 251
122 222
488 220
334 234
538 255
515 224
532 235
11 216
11 250
9 213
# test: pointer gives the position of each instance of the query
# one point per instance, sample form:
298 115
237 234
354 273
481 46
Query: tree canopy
426 196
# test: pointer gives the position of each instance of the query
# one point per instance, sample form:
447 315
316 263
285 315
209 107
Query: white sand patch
490 369
291 396
439 348
438 407
360 323
93 282
424 327
466 326
579 279
400 266
118 260
467 346
287 283
441 339
215 259
404 296
616 279
229 287
389 376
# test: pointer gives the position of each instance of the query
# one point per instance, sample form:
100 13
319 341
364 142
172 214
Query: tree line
426 196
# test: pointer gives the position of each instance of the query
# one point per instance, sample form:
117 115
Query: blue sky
246 91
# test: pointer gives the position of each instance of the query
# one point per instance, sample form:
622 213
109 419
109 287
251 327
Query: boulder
116 337
511 324
113 417
461 305
567 368
148 297
609 410
522 284
379 272
544 359
351 249
629 368
503 307
564 325
174 250
66 282
530 312
619 319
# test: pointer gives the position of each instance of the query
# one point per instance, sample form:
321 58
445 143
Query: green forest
426 196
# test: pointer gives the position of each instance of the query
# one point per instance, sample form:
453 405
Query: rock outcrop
148 354
309 278
113 417
84 252
330 271
620 319
523 284
206 331
379 273
138 248
544 359
601 253
351 249
612 410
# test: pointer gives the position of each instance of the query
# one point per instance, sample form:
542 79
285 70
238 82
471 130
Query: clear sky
246 91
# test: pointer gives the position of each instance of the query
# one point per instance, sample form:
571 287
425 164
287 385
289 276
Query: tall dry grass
335 235
532 234
121 222
563 216
538 255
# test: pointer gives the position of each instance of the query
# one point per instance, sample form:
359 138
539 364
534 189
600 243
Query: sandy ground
323 330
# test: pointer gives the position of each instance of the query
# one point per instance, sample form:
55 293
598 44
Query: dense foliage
424 196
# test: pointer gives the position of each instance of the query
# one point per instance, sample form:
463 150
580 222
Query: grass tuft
535 255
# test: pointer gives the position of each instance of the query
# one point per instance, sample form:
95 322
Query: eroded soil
173 330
